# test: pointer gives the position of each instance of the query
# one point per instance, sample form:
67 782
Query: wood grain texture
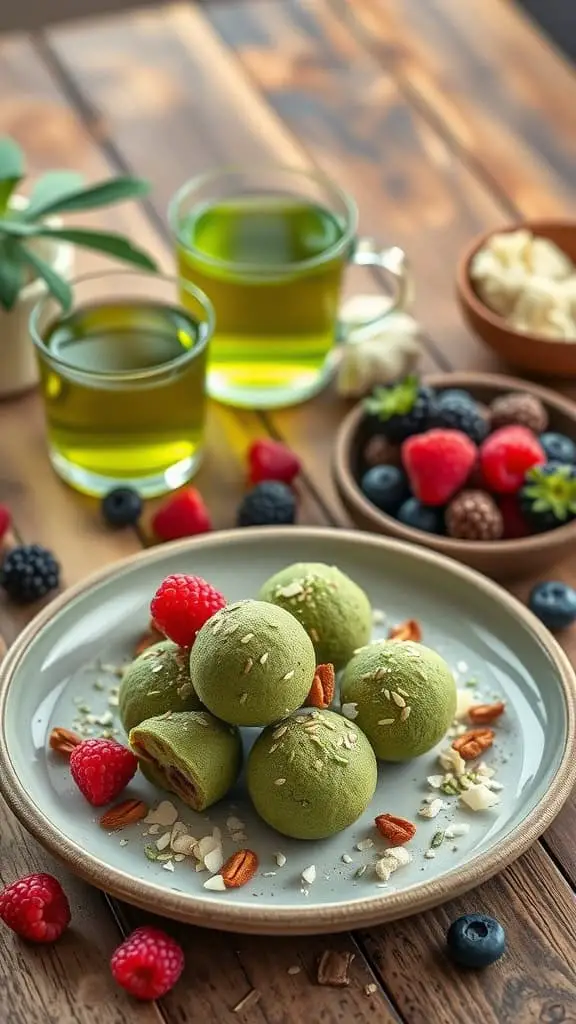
491 83
290 76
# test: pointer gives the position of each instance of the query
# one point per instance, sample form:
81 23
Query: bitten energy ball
191 754
157 681
402 695
333 610
312 775
252 664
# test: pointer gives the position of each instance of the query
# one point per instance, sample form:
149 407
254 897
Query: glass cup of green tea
123 380
270 247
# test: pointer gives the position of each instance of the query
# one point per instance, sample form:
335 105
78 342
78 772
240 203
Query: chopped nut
432 809
365 844
322 690
334 968
479 798
294 970
451 761
239 869
280 859
409 630
370 989
164 814
350 711
121 815
249 1000
309 874
214 860
473 743
481 714
62 741
215 884
347 858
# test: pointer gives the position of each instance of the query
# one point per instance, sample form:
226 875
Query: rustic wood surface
443 119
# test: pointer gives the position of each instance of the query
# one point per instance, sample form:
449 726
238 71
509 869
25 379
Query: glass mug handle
394 262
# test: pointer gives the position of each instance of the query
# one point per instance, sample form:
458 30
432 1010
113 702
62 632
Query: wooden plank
535 980
488 80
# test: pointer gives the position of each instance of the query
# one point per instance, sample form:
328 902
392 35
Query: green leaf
11 276
59 288
8 226
114 191
103 241
12 169
52 187
397 400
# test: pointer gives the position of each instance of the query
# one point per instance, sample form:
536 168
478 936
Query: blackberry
122 507
548 497
270 503
458 413
29 572
451 393
402 409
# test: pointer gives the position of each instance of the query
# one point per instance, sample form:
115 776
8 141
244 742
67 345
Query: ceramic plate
62 667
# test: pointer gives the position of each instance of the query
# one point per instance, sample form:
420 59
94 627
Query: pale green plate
483 632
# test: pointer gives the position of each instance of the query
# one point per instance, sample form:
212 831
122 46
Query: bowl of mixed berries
480 467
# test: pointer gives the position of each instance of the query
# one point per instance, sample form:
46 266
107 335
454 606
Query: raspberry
5 521
35 907
148 963
102 769
183 515
181 606
507 455
438 463
270 460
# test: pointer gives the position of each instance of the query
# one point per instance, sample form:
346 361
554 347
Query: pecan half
126 813
322 690
239 869
151 636
482 714
473 743
334 968
409 630
63 741
396 830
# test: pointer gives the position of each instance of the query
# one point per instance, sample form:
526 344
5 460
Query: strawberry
438 464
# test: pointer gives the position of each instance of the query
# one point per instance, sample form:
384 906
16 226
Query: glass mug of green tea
123 381
270 247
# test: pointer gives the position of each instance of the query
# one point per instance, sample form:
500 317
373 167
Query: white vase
18 363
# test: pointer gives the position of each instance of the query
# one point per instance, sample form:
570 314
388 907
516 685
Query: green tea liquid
275 312
110 420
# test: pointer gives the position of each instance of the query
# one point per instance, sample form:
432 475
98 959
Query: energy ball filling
193 754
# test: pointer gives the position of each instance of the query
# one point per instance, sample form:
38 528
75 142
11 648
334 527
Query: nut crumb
370 989
249 1000
280 859
294 970
334 968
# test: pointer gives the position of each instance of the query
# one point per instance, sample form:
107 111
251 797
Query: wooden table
443 118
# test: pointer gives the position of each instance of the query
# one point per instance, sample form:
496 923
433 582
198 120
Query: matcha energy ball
191 754
252 663
333 610
402 695
312 775
155 682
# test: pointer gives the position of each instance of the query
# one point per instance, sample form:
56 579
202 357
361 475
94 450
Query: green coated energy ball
252 664
402 695
157 681
334 611
312 775
191 754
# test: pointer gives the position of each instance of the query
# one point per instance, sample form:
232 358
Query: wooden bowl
526 351
502 559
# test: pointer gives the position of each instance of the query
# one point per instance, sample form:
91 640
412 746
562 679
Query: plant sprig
54 193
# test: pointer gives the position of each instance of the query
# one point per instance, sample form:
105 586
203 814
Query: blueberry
558 447
454 395
554 603
476 940
270 503
122 507
421 517
386 487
